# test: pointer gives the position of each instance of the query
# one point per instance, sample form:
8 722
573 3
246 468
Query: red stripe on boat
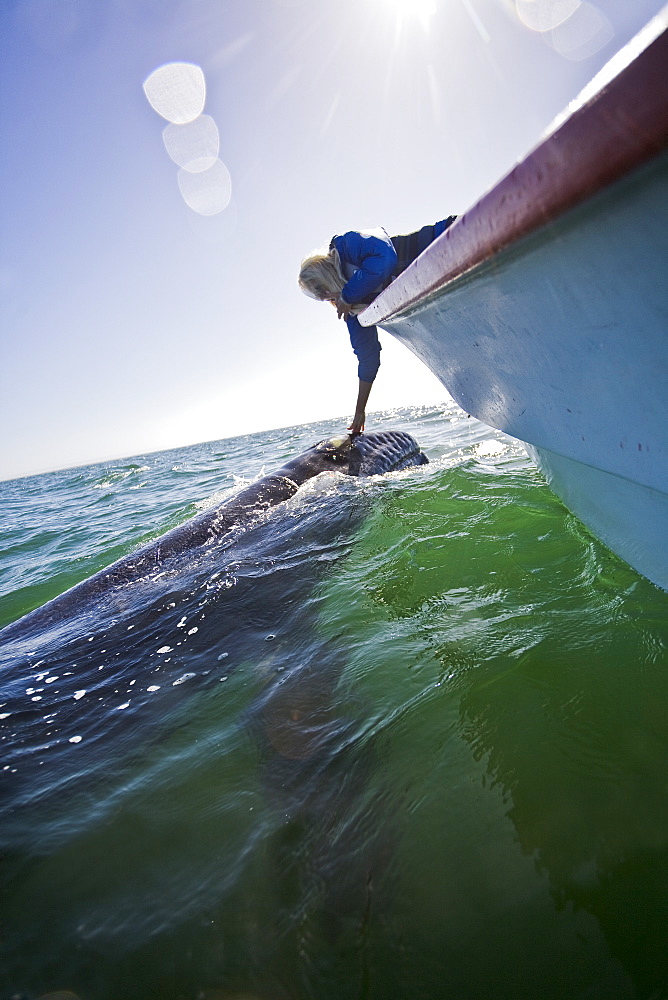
622 127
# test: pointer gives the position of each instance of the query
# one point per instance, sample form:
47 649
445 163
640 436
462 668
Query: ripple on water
336 764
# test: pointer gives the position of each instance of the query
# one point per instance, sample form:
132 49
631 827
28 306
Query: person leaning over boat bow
353 270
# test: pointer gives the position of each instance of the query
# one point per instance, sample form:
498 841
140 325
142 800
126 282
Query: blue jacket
368 260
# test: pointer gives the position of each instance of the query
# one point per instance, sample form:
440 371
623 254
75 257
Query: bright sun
421 10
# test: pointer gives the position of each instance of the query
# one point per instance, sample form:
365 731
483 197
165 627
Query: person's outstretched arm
357 426
365 344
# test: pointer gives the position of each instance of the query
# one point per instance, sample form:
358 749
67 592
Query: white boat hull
559 336
562 343
631 519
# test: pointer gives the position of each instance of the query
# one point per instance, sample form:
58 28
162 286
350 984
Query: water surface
403 737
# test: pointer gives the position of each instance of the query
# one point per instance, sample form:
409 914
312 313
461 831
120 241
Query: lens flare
193 146
207 192
582 34
177 91
544 15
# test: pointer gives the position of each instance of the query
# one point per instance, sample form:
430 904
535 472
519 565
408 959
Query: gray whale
363 455
211 632
118 649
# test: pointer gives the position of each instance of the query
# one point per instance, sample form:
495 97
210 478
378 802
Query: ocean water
403 737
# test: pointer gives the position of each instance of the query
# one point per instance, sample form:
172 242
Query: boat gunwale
622 127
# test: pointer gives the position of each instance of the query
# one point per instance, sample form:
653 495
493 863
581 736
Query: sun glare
420 10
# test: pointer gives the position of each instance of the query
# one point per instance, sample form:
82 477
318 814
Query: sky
129 321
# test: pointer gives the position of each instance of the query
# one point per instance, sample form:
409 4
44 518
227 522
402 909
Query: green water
520 713
441 774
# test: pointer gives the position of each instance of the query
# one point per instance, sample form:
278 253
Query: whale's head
387 451
362 455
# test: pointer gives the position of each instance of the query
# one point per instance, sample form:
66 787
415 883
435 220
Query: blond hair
320 275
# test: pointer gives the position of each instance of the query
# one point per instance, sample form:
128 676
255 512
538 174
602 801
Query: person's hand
342 308
357 426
